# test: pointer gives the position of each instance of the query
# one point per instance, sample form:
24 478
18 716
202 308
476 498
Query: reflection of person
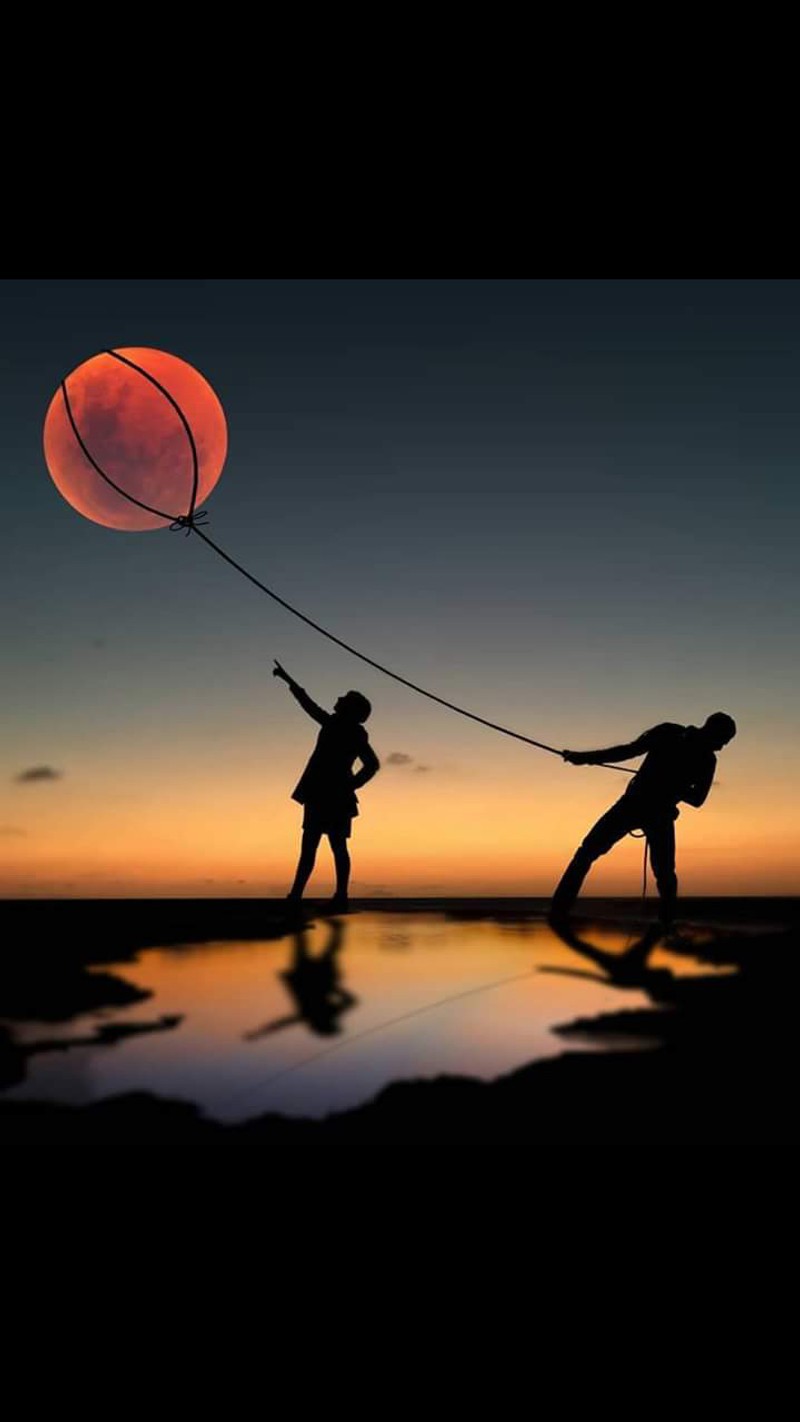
628 968
679 765
315 987
327 786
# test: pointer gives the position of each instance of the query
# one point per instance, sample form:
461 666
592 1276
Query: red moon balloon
134 433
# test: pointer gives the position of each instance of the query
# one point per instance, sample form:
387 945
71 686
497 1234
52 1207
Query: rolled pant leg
609 830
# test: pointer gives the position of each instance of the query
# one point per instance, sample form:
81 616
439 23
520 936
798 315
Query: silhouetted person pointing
679 765
327 787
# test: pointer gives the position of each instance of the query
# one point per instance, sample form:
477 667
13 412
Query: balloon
109 414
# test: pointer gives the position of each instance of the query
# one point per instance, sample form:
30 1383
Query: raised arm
369 763
317 713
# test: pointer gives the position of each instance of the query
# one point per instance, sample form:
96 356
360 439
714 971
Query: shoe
338 904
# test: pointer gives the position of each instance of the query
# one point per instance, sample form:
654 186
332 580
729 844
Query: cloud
12 831
400 758
38 772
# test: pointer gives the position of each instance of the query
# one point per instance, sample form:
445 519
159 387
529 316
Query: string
191 522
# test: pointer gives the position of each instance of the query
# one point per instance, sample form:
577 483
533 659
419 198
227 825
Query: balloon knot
189 521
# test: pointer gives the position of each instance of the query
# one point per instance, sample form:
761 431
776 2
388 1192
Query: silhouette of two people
327 787
678 767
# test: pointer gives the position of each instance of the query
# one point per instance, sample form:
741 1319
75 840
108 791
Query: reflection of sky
433 996
569 506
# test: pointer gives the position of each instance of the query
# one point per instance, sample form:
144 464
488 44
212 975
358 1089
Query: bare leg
305 864
341 859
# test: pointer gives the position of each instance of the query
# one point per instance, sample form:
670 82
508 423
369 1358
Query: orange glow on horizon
468 837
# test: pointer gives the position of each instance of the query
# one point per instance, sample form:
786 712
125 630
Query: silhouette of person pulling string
314 984
679 765
327 787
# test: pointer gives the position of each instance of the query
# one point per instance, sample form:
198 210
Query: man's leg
609 830
341 859
661 840
308 854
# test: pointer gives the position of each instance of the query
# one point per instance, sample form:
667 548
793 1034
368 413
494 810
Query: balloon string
190 523
413 686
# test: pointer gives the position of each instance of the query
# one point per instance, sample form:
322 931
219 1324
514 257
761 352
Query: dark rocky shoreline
718 1071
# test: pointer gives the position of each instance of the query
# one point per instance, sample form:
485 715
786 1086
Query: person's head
719 729
353 706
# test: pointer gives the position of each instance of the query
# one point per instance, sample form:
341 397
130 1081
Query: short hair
722 724
358 706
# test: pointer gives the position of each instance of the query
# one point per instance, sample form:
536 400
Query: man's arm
314 711
697 793
370 766
613 753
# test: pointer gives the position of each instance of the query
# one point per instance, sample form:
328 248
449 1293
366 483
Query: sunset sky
571 507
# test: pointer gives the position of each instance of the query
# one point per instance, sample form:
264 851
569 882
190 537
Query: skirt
321 820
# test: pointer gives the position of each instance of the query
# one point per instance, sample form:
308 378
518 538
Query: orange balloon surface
137 438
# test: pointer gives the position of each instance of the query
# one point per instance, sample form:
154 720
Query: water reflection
463 997
628 966
314 982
